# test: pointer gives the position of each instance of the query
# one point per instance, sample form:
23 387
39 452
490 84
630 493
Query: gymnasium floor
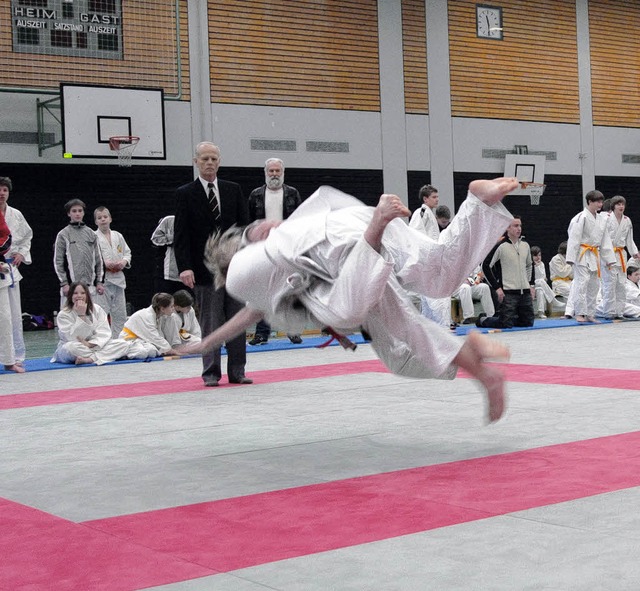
327 474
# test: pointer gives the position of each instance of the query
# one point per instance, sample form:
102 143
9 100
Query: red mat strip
246 531
539 374
40 552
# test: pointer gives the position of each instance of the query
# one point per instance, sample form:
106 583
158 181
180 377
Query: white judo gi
113 300
188 326
589 248
21 235
632 304
95 330
561 275
317 269
149 335
437 309
614 280
474 289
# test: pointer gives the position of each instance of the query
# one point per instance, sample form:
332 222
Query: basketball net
124 146
535 191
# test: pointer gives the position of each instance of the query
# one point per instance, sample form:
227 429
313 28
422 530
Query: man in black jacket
273 201
203 207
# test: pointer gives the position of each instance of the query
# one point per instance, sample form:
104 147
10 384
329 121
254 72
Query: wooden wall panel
295 53
531 75
414 45
615 62
150 54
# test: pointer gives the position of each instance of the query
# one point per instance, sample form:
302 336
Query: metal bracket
42 108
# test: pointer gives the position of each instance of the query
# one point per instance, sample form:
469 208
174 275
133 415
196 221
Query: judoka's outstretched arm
230 329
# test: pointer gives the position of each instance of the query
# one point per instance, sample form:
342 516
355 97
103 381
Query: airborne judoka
336 262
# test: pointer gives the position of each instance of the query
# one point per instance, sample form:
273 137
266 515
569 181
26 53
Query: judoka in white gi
424 220
475 289
632 287
116 256
561 272
614 278
19 254
589 248
338 263
152 331
84 331
185 317
544 293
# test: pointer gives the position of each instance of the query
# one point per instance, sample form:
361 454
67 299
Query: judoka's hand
261 231
500 294
18 259
99 288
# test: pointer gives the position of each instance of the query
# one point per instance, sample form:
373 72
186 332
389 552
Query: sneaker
541 315
295 339
481 317
468 321
258 340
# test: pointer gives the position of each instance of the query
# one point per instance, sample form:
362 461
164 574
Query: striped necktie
213 202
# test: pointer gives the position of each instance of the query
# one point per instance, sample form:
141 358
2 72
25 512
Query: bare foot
17 367
593 319
473 357
83 360
389 207
493 191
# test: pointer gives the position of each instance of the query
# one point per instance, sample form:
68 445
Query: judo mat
283 344
327 473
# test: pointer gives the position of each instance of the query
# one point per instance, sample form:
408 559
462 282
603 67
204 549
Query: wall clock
489 22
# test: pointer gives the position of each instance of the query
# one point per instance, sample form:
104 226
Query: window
105 6
61 39
108 42
28 36
67 10
81 40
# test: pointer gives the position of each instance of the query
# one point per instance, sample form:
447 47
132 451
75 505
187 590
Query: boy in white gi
561 272
614 278
544 293
424 220
116 255
632 306
589 248
19 254
185 317
338 263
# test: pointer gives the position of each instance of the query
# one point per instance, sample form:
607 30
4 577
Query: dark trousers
516 309
215 307
263 329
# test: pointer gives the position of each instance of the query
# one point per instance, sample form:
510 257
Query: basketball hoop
124 145
535 191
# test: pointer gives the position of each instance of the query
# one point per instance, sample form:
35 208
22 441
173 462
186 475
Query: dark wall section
543 225
415 181
137 198
629 188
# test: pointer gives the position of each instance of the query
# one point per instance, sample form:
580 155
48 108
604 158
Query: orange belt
561 279
129 335
594 250
620 252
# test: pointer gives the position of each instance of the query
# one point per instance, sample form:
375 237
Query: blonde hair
219 251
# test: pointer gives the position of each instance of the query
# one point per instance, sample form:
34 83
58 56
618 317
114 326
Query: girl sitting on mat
152 331
84 331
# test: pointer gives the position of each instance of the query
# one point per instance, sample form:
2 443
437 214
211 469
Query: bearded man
274 201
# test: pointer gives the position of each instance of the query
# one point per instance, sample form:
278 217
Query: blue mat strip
43 363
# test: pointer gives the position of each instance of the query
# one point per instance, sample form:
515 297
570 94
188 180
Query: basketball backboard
92 114
527 168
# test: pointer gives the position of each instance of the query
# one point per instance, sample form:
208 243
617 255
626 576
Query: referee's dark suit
194 224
